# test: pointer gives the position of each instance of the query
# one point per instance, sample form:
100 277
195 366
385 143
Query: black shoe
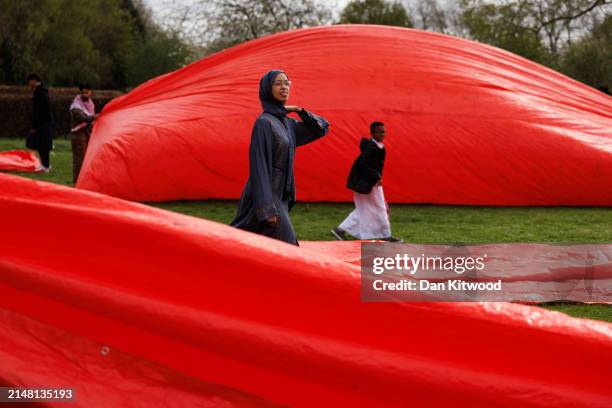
339 234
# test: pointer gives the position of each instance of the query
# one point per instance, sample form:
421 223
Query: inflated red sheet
467 123
127 303
531 272
18 160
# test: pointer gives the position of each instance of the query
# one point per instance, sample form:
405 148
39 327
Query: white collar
379 144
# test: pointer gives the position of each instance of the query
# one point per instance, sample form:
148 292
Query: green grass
61 160
597 312
439 224
413 223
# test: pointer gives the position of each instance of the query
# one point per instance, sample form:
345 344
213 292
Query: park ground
413 223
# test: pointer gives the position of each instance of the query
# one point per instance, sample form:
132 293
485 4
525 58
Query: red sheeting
532 273
35 354
467 123
18 160
194 309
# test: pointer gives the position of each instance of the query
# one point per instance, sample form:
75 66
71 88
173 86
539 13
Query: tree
431 16
104 42
231 22
375 12
64 41
536 29
161 52
590 59
89 41
504 26
23 26
558 20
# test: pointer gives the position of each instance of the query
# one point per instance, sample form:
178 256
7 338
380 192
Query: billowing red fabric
35 354
18 160
190 308
531 273
467 123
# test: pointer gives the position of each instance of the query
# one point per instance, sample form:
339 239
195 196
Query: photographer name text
425 285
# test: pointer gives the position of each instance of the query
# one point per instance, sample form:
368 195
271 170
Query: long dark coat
42 118
270 189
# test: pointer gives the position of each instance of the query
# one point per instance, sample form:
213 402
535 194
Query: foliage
504 26
567 35
590 59
231 22
16 108
432 16
375 12
160 52
116 44
98 41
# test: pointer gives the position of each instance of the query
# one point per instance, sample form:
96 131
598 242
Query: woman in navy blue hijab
269 193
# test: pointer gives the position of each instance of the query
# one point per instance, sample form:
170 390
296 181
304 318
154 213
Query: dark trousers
79 147
44 134
44 157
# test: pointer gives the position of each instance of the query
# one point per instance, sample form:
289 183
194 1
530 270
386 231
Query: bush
590 59
16 108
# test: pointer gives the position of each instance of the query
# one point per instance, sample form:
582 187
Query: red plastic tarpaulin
530 272
18 160
467 123
191 306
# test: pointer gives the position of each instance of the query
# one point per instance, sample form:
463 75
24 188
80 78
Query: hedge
16 108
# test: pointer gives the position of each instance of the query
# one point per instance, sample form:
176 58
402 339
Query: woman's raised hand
272 220
293 108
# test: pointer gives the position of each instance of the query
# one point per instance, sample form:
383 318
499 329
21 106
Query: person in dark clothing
370 219
269 192
367 169
42 120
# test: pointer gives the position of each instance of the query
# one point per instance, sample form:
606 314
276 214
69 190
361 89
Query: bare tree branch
593 6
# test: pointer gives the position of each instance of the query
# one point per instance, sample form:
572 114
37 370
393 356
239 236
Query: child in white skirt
370 218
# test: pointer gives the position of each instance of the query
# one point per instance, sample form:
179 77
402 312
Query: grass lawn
61 160
413 223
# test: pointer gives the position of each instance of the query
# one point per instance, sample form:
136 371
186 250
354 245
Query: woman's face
280 88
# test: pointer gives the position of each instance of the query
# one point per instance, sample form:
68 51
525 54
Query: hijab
268 102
